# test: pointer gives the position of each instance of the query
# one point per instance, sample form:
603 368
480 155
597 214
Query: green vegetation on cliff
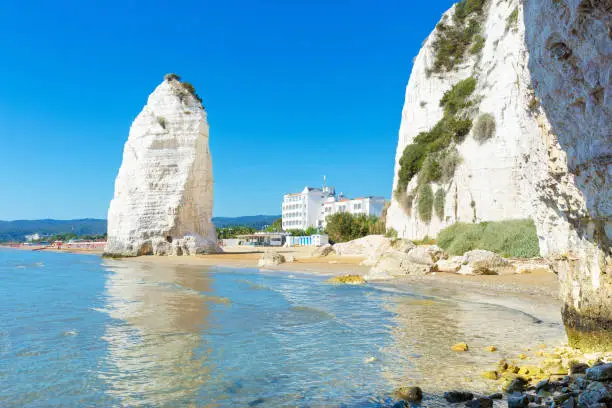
510 238
452 128
454 39
432 155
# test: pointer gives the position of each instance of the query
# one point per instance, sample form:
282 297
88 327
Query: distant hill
17 230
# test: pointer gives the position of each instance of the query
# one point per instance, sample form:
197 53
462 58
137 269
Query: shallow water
77 330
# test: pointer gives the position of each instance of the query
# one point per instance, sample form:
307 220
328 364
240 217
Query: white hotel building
312 206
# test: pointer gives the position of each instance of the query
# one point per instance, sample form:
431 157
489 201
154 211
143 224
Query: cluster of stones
588 387
400 257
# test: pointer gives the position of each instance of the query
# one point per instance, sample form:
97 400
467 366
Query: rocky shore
563 377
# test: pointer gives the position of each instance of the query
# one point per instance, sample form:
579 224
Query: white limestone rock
548 84
448 265
369 246
270 258
321 251
163 198
570 54
425 254
496 180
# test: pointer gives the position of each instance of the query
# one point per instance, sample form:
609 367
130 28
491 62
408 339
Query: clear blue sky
294 90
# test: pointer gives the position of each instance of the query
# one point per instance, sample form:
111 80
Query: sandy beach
537 283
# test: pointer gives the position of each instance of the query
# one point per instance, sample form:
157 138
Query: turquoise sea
81 331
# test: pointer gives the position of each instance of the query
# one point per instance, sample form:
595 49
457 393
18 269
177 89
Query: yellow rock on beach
459 347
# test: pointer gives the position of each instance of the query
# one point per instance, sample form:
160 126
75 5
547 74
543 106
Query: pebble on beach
459 347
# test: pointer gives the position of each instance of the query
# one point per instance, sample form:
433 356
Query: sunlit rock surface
163 199
546 81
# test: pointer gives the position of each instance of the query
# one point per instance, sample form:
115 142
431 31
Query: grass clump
457 97
439 203
510 238
479 42
484 128
191 89
512 20
453 40
425 201
171 76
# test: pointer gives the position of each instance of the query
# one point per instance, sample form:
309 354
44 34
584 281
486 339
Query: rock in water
163 198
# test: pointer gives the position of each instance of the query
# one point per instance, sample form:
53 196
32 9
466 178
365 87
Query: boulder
410 394
398 264
447 265
369 246
602 372
466 270
163 200
290 259
518 400
425 254
596 392
270 258
481 402
458 396
321 251
485 262
402 245
521 268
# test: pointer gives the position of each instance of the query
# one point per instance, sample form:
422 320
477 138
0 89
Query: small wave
70 333
312 312
217 299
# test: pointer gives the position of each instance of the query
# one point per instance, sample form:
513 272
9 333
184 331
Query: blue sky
294 90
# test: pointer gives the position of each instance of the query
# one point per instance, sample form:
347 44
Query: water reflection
426 327
155 351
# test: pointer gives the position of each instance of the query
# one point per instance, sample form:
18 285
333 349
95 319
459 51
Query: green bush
458 97
410 164
452 41
191 89
511 238
479 42
425 202
343 226
391 233
430 171
171 76
459 127
449 159
439 203
484 128
512 20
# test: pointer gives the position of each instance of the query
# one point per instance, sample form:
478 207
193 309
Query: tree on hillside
276 226
342 226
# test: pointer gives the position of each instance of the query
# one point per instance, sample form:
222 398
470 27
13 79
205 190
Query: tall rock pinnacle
163 198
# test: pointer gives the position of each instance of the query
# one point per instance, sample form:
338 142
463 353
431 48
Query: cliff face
570 48
540 76
163 198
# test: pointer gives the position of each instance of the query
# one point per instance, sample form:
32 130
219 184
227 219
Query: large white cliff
544 73
163 198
